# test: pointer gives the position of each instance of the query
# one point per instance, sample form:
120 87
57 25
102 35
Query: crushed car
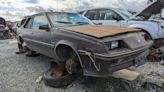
149 20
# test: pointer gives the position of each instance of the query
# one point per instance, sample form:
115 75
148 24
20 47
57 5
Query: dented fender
153 31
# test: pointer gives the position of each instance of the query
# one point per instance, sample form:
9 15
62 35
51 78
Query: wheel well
64 52
147 33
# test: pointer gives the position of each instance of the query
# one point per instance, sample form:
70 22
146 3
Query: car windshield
130 16
125 13
65 19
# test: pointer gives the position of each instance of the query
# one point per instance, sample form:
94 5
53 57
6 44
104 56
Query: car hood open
153 8
100 31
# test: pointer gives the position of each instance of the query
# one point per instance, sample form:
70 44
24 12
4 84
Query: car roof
53 12
100 8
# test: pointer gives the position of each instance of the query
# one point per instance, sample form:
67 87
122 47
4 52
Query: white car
153 25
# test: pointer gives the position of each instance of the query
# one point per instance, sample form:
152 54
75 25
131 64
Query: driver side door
41 38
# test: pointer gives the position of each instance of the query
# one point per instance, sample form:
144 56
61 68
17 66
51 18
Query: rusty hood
100 31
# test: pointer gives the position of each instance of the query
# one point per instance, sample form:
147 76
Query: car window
65 19
22 21
38 21
108 15
91 14
102 14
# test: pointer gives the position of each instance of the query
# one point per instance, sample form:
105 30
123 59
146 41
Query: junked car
149 20
3 29
73 41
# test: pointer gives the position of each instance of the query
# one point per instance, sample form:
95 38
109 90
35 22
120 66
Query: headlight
114 44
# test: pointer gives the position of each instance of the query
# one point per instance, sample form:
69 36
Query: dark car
73 41
3 30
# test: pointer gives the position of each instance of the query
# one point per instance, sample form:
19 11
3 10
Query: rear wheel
29 52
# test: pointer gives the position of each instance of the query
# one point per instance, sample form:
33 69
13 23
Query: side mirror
44 27
117 19
162 13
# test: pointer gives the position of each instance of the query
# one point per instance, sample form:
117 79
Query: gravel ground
19 73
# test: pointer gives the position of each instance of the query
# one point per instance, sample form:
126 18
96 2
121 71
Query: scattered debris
39 79
126 74
162 62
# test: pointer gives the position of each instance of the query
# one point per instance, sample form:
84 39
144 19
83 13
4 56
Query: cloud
16 9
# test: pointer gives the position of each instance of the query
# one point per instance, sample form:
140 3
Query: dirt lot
18 73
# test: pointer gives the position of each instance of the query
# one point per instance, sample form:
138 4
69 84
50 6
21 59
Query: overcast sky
16 9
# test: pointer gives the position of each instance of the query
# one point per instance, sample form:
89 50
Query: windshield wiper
82 23
64 22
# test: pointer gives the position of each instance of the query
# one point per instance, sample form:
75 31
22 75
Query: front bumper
103 65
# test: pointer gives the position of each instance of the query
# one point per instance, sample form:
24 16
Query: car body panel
107 22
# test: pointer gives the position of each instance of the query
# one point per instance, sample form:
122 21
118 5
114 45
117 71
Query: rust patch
100 31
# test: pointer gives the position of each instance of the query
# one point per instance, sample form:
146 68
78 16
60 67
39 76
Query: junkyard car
77 44
3 30
2 27
149 19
